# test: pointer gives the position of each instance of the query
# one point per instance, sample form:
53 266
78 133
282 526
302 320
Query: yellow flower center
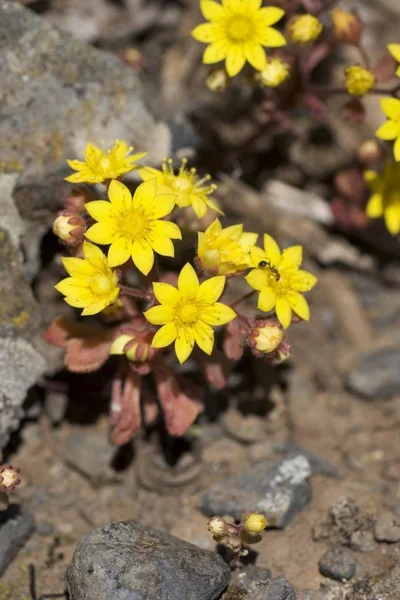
101 285
187 313
132 226
239 28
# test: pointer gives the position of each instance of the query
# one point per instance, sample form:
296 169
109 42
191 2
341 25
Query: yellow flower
100 165
385 199
391 129
394 50
92 285
275 72
304 29
237 32
132 225
188 188
358 81
254 522
280 281
187 313
227 250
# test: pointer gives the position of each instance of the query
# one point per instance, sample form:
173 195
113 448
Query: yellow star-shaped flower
280 281
390 130
188 312
237 32
133 226
385 199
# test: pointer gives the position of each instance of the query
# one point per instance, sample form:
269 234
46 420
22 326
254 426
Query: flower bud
358 81
234 542
266 336
304 29
77 199
254 522
135 348
275 72
369 152
69 227
9 478
217 526
217 80
347 27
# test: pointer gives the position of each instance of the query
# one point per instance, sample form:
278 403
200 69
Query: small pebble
337 564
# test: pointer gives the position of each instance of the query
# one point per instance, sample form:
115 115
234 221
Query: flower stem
243 298
135 293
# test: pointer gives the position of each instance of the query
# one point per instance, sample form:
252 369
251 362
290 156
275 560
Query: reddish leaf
87 354
233 340
125 409
216 368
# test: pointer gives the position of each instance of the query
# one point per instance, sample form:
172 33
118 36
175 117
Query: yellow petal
149 173
270 15
163 205
396 149
218 314
166 293
388 131
255 55
120 196
394 50
94 255
100 210
211 10
79 302
206 32
303 281
78 178
392 219
266 299
198 205
213 205
188 282
254 5
272 250
167 229
118 345
96 307
77 165
291 257
211 289
271 37
145 194
165 336
247 240
160 315
92 153
71 286
77 267
100 233
214 53
161 245
375 206
257 279
184 344
235 59
300 306
257 255
143 256
119 252
204 337
283 312
214 228
391 108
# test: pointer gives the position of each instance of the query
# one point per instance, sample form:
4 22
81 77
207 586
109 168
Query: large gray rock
377 374
279 489
16 526
128 561
274 589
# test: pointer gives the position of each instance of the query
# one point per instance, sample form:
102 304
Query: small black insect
274 270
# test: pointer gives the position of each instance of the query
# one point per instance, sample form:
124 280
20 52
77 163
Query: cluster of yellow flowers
139 226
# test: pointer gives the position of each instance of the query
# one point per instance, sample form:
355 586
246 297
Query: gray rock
274 589
245 579
318 464
279 489
128 561
337 564
363 541
377 374
16 526
387 528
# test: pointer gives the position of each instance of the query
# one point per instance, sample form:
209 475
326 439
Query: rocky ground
312 444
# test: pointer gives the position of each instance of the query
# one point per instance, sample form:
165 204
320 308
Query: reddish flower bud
347 26
267 338
9 478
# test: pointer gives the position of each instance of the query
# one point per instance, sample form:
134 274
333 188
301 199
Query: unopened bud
217 80
369 152
266 336
69 227
358 80
135 348
217 526
275 72
254 522
304 29
9 478
347 27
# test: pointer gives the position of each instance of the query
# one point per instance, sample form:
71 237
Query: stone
387 528
318 464
377 374
337 564
245 579
16 526
279 489
363 541
278 588
127 560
